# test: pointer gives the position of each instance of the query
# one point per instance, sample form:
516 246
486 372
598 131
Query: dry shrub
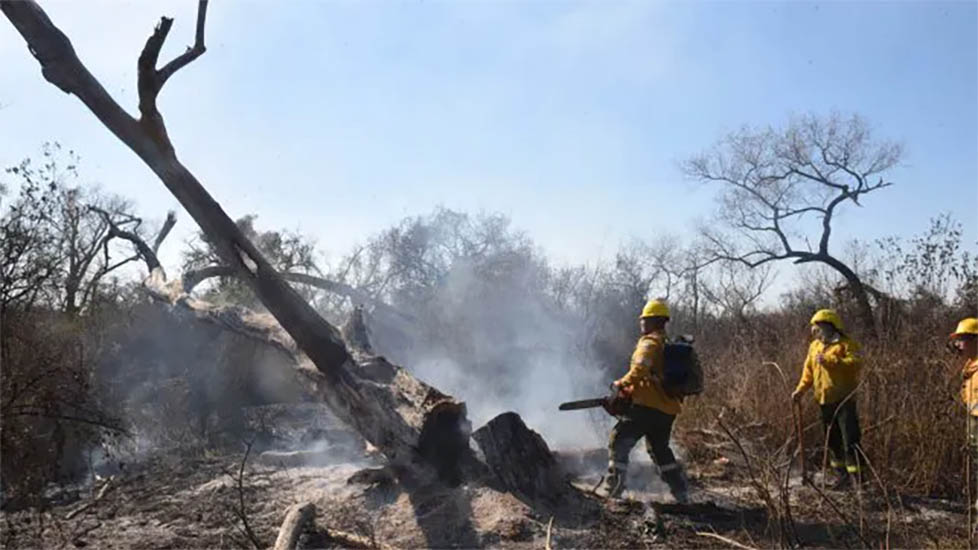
51 415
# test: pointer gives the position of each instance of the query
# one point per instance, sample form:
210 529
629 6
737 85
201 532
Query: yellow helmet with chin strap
966 326
655 308
828 316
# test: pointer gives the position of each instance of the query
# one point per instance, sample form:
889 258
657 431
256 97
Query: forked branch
150 80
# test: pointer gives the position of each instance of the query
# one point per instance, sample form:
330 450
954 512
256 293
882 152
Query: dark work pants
655 426
841 422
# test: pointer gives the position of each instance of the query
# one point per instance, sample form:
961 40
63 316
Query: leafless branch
729 541
40 413
195 277
106 487
171 220
150 80
144 251
192 52
240 510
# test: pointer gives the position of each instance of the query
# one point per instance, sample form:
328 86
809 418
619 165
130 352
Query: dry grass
913 429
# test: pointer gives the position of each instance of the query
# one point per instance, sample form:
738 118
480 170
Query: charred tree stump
354 331
521 461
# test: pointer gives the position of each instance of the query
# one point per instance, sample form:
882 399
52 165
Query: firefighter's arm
642 365
842 356
636 372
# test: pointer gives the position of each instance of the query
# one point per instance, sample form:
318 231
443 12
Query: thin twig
731 542
241 511
101 493
550 526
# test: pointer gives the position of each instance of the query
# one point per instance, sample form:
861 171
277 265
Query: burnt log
520 460
296 519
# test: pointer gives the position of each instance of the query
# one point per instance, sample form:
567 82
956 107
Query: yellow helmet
655 308
828 316
966 326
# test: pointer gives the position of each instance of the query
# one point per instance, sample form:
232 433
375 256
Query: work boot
676 481
614 484
843 481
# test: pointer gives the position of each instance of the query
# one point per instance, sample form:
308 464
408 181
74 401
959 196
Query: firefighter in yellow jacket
964 340
832 370
651 412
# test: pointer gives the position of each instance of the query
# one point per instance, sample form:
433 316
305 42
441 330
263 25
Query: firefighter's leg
848 423
657 434
836 447
973 454
624 436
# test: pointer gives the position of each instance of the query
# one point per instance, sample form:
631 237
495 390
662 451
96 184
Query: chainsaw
615 404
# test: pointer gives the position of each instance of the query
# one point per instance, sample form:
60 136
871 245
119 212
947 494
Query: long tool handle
969 458
800 432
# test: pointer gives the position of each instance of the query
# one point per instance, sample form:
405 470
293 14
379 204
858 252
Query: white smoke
497 344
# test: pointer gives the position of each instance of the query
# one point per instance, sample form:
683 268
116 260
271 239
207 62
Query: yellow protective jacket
836 375
644 378
969 386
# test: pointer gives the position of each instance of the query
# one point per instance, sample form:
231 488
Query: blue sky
340 118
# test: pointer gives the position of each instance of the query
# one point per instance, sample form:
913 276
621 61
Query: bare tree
55 236
734 288
773 179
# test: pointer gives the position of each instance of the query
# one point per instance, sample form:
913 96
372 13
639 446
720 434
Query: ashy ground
212 502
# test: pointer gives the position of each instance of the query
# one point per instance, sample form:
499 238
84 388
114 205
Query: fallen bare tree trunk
419 429
296 518
406 419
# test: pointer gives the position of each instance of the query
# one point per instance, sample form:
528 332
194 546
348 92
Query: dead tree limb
99 496
403 417
296 518
351 540
550 526
192 278
115 232
171 220
729 541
